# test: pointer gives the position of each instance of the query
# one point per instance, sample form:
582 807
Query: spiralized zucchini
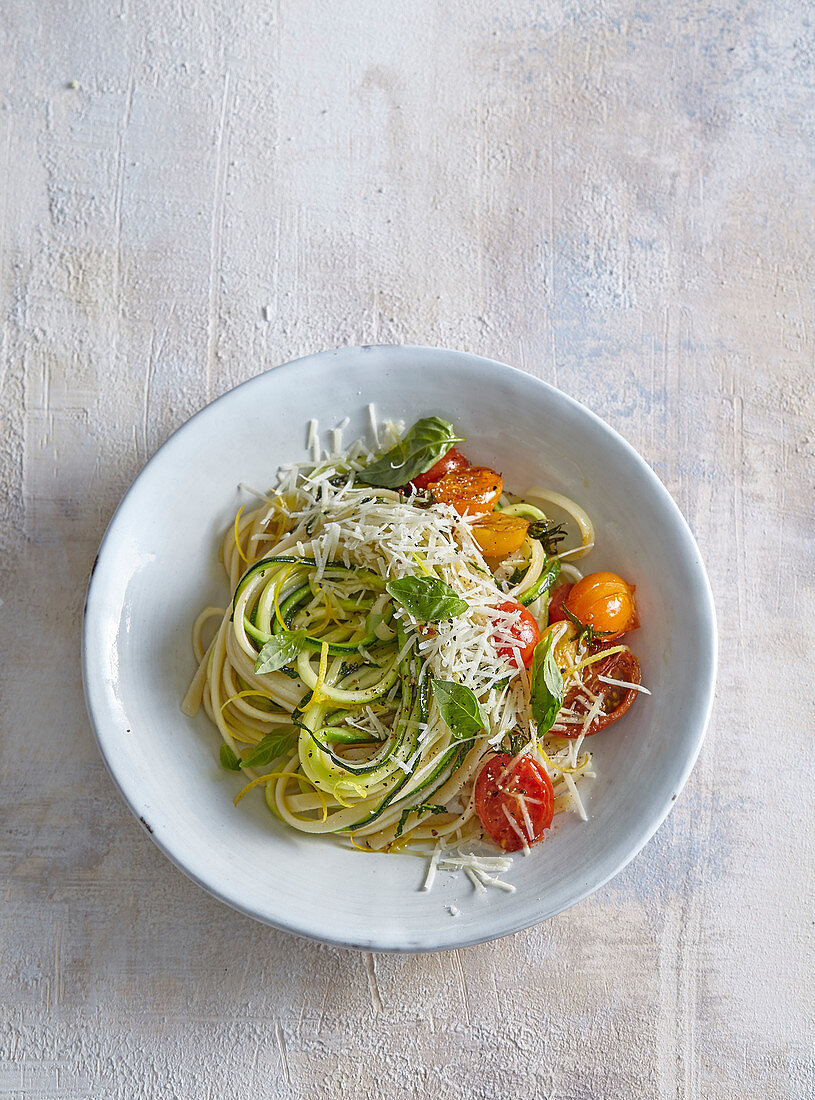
343 733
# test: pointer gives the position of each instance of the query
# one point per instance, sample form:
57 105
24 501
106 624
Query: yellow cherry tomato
498 535
605 602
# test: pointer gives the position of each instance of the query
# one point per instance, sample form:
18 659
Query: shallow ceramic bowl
157 568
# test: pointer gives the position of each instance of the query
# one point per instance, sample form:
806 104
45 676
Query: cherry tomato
524 633
496 789
616 700
498 535
559 594
472 491
453 460
604 602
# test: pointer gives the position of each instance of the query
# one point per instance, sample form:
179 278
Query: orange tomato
605 602
472 491
498 535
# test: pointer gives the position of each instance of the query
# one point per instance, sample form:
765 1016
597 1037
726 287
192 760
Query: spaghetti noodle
372 658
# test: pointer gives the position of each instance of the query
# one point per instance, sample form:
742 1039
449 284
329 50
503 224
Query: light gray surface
616 197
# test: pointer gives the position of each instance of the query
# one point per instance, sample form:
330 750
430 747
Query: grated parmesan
475 880
516 829
624 684
430 877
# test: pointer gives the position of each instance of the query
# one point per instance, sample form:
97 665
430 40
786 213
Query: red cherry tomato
524 633
503 790
556 600
453 460
616 700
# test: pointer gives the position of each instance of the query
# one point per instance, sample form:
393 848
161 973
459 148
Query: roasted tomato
453 460
605 602
472 490
498 535
616 700
504 790
559 594
524 633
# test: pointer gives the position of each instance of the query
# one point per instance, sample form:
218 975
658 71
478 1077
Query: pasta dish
410 655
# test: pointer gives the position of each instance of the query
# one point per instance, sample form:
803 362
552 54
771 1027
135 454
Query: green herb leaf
515 741
427 441
427 599
546 685
585 632
422 808
229 760
459 708
274 744
279 651
548 534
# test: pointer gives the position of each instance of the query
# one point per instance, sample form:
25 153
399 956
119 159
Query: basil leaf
229 760
279 651
459 708
427 599
274 744
427 441
546 685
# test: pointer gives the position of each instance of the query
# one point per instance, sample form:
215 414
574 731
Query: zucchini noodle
340 725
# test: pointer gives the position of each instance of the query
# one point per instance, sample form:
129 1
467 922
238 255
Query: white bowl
157 568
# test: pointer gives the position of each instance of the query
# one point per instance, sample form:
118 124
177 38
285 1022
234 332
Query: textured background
617 197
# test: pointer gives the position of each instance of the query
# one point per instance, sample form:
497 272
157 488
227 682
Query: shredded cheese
488 880
475 863
624 684
430 877
313 440
476 868
591 714
515 828
521 800
475 880
374 425
573 791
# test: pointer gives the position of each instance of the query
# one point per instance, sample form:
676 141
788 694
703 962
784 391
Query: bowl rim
639 838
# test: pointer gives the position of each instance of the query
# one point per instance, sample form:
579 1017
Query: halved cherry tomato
498 535
472 491
616 700
559 594
503 788
605 602
524 633
453 460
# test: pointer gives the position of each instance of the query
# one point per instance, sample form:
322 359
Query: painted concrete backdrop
615 196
